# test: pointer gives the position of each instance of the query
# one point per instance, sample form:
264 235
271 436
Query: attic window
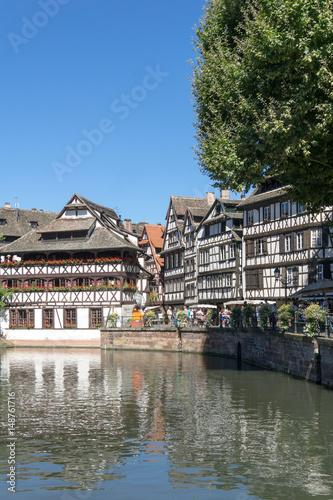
218 210
33 223
3 222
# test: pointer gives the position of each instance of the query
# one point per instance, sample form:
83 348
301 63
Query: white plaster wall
75 334
82 317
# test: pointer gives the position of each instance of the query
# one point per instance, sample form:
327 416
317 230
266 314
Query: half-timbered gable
219 253
193 217
174 245
72 272
151 242
279 234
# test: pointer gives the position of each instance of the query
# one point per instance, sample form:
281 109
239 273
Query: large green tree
263 89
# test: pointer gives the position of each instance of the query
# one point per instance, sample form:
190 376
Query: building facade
151 242
279 235
70 274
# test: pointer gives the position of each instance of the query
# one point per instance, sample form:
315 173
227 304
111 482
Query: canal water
90 424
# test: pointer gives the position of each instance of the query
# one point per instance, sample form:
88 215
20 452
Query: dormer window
3 222
33 224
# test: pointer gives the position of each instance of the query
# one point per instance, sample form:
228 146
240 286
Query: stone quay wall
297 355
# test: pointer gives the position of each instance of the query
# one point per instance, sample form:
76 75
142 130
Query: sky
96 100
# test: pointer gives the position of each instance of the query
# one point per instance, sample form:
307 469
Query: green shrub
286 314
113 319
235 318
181 318
211 317
149 318
314 315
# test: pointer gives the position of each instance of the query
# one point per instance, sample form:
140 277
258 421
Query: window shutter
260 278
265 245
293 241
325 236
327 270
282 249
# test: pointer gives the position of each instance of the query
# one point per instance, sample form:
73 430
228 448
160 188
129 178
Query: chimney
128 225
210 198
34 209
243 196
7 204
225 193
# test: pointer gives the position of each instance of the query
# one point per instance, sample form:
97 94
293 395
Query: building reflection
88 413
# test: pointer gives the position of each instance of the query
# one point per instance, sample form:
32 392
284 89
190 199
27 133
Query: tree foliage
263 89
4 296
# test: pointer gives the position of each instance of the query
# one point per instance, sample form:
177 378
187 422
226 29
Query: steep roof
68 225
18 221
99 208
269 190
100 239
155 236
182 203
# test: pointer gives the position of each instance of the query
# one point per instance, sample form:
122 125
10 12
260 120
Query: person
192 317
169 314
199 316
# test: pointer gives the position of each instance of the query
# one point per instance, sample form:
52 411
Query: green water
93 424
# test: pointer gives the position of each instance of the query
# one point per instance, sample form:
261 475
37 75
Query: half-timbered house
219 252
281 239
174 243
68 275
151 242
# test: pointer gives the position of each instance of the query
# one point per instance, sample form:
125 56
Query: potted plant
286 314
149 318
113 319
314 315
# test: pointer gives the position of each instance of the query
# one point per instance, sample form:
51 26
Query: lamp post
288 280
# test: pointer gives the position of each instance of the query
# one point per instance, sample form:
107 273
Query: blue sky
95 99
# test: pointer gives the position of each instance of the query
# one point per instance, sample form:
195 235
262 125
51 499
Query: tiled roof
99 208
182 203
259 197
68 225
18 220
100 239
155 236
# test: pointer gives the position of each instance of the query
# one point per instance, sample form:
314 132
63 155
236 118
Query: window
39 283
287 243
207 231
232 251
22 317
170 261
300 208
319 272
48 318
70 318
299 237
228 280
260 246
284 209
316 237
180 259
222 253
61 282
96 317
3 222
204 256
250 217
291 281
175 260
267 214
219 281
33 223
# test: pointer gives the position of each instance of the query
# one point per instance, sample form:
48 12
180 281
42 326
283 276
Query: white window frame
300 241
319 272
284 208
232 251
316 238
267 213
260 246
250 217
287 243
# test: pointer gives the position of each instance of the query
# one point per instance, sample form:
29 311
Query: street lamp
288 280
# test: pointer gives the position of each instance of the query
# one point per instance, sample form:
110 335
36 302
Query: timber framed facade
278 233
219 253
72 273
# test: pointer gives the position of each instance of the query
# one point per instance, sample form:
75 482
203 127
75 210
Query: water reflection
183 425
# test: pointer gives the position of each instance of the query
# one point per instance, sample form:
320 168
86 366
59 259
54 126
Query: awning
250 302
206 306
